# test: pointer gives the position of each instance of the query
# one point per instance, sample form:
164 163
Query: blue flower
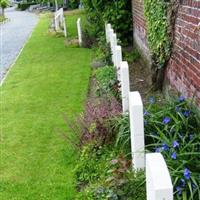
175 144
158 150
145 122
165 147
166 120
181 99
179 190
187 173
182 182
152 100
146 113
187 113
174 156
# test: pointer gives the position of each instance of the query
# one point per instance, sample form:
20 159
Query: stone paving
13 35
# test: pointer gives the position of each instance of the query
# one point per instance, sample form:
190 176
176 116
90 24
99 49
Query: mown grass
48 80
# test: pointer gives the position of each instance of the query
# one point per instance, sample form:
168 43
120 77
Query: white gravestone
79 31
137 130
114 49
158 182
125 86
108 28
118 58
60 21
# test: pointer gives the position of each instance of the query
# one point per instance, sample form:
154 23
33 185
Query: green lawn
47 81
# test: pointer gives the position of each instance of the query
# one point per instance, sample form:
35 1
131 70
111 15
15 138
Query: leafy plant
107 81
173 130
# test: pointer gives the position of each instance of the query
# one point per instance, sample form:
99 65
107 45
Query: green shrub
115 12
107 81
23 6
73 4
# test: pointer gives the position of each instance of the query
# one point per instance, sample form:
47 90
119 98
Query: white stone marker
137 130
79 31
118 58
125 86
108 27
158 182
114 48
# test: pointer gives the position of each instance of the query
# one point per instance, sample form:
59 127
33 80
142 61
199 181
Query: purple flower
181 99
165 147
187 113
187 173
174 156
179 190
152 100
166 120
175 144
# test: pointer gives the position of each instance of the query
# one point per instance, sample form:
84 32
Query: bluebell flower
165 147
174 156
179 190
187 173
146 113
175 144
158 150
187 113
166 120
152 100
181 99
182 182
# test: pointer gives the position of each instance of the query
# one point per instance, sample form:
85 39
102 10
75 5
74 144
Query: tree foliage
116 12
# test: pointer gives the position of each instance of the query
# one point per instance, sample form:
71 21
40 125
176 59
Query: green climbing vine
159 40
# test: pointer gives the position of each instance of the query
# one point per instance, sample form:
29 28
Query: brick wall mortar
183 69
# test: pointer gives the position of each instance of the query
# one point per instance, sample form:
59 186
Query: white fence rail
158 181
59 20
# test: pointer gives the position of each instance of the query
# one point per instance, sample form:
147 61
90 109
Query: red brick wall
183 70
139 26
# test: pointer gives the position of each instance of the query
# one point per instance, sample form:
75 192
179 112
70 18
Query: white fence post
79 31
118 57
137 130
158 181
108 27
125 86
64 26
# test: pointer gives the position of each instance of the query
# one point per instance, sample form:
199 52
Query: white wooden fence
158 181
59 20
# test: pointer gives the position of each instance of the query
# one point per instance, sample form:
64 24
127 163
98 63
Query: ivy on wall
159 40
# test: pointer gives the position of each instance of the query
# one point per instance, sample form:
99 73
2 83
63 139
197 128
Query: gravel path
13 35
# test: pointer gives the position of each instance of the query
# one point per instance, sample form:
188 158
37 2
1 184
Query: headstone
137 130
107 27
114 49
79 31
118 58
158 182
125 86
